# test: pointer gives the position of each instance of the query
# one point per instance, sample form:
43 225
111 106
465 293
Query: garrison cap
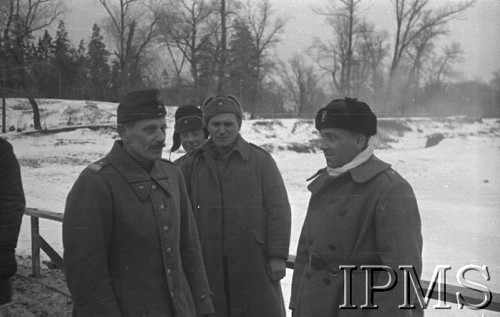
349 114
140 104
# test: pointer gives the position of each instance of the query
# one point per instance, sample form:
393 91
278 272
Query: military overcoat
130 241
243 215
367 216
12 204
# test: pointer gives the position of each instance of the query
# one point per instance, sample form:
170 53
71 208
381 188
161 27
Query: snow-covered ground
457 182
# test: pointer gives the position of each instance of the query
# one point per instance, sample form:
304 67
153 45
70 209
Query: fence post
35 246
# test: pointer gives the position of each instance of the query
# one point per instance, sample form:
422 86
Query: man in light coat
130 241
242 213
361 212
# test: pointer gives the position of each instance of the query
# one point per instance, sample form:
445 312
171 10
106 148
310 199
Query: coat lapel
135 175
161 177
359 174
368 170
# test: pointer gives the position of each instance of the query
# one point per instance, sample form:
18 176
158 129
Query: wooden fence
38 242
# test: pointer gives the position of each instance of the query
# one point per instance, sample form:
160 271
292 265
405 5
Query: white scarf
356 161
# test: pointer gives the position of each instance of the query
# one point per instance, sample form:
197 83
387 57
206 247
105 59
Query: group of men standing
210 233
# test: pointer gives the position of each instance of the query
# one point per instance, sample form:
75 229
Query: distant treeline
227 47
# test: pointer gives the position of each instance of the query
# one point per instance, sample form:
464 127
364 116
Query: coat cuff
280 253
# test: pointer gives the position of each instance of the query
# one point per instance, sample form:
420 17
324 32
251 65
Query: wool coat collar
135 175
359 174
240 146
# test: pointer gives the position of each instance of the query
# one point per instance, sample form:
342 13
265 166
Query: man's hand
276 269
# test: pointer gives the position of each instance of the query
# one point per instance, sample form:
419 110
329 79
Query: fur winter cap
221 104
349 114
140 104
187 118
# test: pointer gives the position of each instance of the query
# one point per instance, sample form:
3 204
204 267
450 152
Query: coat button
153 187
166 228
169 250
202 298
162 206
169 272
172 294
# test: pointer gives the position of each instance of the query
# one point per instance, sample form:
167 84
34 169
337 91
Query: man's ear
362 141
121 131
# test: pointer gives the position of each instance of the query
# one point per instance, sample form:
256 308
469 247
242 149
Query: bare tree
132 25
189 28
372 51
442 67
337 56
302 84
416 26
223 47
266 30
31 15
18 20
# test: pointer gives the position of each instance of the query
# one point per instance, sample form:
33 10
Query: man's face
192 139
144 140
340 146
223 129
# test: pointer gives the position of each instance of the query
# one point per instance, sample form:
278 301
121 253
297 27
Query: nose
160 135
189 138
323 145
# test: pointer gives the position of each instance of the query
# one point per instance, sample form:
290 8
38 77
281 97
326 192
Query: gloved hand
276 269
8 265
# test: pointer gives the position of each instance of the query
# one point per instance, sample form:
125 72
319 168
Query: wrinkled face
192 139
223 129
340 146
144 139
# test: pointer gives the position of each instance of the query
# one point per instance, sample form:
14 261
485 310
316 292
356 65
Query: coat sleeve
399 242
277 210
300 264
12 204
87 230
192 260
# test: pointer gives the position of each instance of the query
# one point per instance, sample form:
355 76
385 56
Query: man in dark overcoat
361 212
130 242
243 215
12 205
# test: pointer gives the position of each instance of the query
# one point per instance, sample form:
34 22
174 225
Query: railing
38 242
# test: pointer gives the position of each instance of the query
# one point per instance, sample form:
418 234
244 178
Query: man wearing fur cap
130 242
243 215
189 130
361 212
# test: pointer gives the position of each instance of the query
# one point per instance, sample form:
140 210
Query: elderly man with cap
242 214
189 130
130 242
361 213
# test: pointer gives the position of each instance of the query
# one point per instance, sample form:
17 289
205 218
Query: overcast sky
477 30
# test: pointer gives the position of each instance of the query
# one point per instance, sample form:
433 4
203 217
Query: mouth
158 147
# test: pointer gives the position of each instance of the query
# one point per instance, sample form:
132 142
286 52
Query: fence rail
38 242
